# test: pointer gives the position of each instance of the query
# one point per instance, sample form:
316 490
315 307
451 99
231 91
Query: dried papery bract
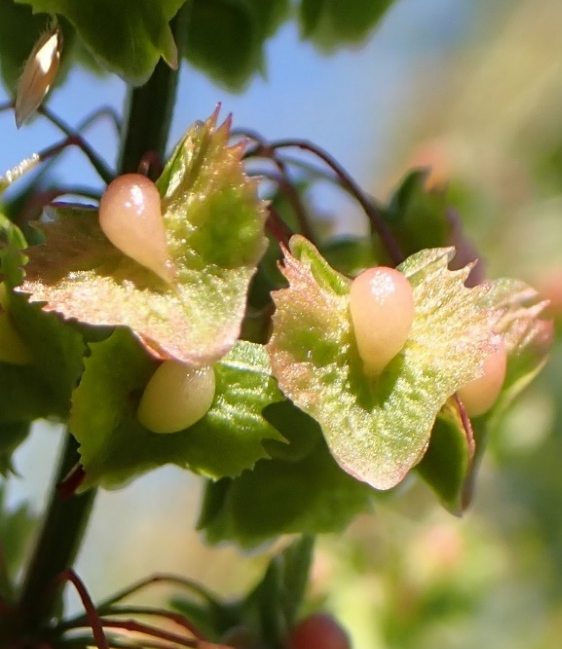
479 395
176 396
130 215
382 311
38 74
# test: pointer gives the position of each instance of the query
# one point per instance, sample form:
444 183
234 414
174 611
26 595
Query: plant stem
148 116
56 547
150 107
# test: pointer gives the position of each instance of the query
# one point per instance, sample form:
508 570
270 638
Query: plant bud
479 395
382 311
38 74
131 218
176 396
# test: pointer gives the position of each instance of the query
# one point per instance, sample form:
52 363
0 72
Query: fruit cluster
382 309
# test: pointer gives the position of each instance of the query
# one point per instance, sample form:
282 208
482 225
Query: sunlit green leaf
115 447
528 338
376 429
214 227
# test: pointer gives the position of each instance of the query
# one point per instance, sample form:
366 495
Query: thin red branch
176 618
150 162
98 115
154 632
67 488
158 578
467 426
277 227
347 182
94 620
263 149
105 173
146 644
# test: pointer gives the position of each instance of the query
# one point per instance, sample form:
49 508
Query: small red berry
318 631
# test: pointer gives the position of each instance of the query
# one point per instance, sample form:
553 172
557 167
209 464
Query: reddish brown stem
377 222
71 482
467 426
148 611
288 189
150 162
277 227
283 179
94 620
158 578
154 632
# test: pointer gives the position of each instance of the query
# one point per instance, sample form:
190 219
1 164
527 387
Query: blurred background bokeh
472 89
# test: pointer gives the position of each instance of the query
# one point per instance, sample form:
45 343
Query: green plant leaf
115 447
349 255
11 436
42 362
308 496
40 357
12 242
128 37
280 593
41 388
267 612
226 37
448 461
528 340
212 618
330 23
417 215
300 432
23 395
214 227
16 527
376 430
